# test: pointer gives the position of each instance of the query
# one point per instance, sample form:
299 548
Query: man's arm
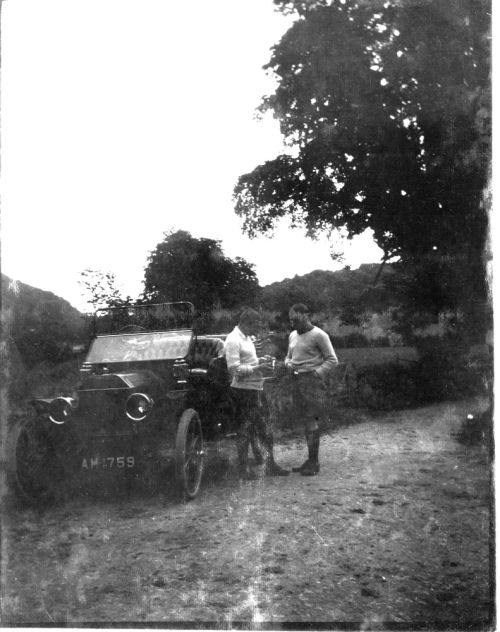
329 357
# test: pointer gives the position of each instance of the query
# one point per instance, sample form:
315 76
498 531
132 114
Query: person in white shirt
246 390
310 359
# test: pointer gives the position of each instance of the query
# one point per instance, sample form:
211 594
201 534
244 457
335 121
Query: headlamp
138 406
60 409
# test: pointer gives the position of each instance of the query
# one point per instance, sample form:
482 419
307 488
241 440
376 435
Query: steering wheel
132 328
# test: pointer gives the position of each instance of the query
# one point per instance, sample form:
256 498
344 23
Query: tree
386 106
184 268
347 293
100 289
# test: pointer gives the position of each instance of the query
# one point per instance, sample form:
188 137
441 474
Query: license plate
108 463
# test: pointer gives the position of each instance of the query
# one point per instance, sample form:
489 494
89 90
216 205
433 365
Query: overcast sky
122 120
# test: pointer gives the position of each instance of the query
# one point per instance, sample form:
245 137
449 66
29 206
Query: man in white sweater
310 359
246 390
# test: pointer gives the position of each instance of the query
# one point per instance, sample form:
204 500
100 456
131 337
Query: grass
368 356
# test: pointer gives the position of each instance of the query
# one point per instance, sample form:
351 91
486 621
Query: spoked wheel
33 466
189 454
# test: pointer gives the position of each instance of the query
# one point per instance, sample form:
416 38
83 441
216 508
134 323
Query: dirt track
396 528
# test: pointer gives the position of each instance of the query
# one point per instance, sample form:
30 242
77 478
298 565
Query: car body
146 396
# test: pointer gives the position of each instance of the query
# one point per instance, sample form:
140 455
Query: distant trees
386 105
346 293
185 268
180 268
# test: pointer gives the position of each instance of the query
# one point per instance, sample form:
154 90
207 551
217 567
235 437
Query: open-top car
150 391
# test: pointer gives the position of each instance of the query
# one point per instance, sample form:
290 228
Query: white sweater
311 351
242 361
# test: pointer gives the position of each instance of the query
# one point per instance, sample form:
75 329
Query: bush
358 340
353 339
477 429
50 379
385 386
445 371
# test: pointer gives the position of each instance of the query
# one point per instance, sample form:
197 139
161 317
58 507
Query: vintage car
150 392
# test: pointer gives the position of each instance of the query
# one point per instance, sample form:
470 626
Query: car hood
135 380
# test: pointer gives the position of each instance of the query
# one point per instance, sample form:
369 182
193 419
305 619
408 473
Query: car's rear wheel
189 454
34 470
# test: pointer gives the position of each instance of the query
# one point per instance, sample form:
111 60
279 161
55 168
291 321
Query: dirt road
396 528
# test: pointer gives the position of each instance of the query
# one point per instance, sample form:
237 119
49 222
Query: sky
123 120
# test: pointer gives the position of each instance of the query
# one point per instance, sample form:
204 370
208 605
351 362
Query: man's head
299 317
249 321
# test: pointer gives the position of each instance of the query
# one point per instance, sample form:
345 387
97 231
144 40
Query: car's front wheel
189 454
34 470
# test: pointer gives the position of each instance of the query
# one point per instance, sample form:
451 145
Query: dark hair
300 308
249 315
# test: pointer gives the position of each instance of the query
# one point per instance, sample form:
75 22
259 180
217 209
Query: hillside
39 323
344 291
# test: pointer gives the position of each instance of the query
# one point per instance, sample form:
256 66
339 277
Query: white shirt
242 361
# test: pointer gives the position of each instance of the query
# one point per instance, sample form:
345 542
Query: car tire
189 454
32 467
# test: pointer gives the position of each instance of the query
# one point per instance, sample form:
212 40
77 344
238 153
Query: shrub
354 339
383 341
442 372
385 386
445 371
477 429
50 379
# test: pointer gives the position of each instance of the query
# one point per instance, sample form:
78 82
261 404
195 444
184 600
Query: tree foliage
100 289
386 110
184 268
347 293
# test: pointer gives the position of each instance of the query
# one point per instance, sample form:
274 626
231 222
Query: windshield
157 317
135 347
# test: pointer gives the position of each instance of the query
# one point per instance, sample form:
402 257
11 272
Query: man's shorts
309 393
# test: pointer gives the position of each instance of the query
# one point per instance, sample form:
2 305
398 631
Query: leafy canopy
184 268
385 108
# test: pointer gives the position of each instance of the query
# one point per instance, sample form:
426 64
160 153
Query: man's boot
299 468
245 471
272 468
311 468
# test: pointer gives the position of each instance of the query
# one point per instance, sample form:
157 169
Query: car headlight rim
60 410
138 406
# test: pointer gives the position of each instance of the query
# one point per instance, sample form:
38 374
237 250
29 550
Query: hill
346 292
40 324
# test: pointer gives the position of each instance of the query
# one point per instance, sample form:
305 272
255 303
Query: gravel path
395 529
